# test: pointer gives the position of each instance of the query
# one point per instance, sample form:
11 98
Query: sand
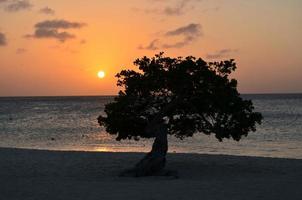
43 175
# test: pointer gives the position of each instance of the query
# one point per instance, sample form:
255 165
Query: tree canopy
183 95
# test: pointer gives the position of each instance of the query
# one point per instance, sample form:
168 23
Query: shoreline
42 174
142 153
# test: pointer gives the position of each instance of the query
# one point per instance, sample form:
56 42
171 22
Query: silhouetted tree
177 96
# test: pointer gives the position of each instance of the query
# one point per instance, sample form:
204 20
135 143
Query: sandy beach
33 174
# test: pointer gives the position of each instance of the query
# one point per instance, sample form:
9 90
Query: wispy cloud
3 40
178 45
18 5
170 8
192 30
179 8
187 34
55 29
48 11
221 53
152 46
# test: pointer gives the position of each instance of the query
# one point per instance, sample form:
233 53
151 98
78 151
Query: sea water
70 123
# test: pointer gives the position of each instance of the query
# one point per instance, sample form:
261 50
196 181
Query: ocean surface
70 123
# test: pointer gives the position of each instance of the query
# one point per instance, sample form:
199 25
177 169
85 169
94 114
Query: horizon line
112 95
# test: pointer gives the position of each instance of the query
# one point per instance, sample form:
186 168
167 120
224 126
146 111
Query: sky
57 47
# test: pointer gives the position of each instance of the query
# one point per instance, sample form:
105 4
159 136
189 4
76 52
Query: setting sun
101 74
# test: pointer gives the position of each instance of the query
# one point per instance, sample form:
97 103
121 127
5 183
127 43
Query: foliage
186 95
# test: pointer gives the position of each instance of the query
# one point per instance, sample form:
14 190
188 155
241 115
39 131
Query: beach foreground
33 174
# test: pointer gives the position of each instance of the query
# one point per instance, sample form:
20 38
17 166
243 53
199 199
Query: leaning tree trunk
154 162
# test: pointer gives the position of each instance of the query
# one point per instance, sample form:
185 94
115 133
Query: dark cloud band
53 29
58 24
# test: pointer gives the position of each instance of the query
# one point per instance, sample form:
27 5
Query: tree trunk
154 162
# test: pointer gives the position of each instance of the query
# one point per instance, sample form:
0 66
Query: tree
180 97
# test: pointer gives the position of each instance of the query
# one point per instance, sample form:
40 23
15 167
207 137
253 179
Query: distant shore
36 174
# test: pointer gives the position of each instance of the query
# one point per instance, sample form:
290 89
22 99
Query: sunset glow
53 47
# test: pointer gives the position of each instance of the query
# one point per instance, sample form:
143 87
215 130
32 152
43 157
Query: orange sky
56 47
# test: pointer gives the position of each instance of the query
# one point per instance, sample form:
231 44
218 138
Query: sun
101 74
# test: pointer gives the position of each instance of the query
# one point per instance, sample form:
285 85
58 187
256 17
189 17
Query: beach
38 174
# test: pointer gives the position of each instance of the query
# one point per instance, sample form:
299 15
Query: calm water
69 123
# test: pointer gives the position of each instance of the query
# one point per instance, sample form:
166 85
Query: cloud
187 34
180 44
175 9
18 5
58 24
189 30
151 46
53 29
178 9
21 51
48 11
3 40
52 33
221 53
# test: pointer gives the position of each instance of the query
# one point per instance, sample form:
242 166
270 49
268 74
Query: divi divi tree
180 97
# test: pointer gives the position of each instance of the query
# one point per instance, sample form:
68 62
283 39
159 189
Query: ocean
70 123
